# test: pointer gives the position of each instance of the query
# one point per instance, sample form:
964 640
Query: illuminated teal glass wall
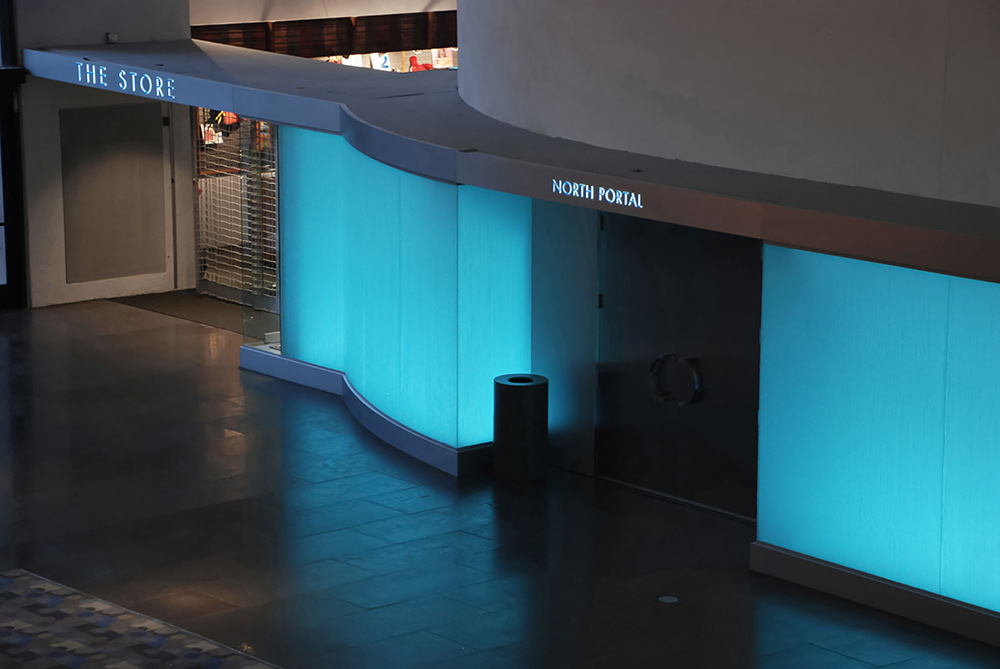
419 291
312 318
879 429
494 302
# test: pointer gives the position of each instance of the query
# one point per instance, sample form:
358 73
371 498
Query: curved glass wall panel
419 291
878 428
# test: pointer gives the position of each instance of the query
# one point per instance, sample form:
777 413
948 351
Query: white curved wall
897 95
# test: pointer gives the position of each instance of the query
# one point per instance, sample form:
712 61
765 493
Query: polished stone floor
138 464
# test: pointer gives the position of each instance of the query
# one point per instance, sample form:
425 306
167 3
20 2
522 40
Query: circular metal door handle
659 385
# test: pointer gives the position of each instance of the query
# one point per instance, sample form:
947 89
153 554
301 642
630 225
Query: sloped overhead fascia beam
418 123
195 87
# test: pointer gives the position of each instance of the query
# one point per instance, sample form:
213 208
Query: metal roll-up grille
237 214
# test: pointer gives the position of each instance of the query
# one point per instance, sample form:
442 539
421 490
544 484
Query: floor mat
190 306
47 625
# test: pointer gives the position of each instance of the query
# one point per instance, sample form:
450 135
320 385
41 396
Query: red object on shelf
417 67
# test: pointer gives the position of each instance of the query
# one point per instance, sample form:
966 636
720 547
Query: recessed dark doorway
678 362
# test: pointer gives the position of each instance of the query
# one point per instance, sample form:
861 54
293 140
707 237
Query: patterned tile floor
139 465
44 625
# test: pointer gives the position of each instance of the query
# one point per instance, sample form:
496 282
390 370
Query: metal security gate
237 214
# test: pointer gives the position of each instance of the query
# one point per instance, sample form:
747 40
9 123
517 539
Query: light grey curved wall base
454 461
920 605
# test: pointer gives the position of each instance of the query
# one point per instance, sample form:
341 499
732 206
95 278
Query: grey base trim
451 460
879 593
263 361
237 295
217 290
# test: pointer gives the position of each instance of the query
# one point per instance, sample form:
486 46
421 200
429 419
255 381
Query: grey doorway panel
113 191
685 429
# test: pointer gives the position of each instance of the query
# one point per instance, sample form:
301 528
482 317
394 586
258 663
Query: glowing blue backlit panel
970 512
312 285
494 269
879 441
420 291
428 311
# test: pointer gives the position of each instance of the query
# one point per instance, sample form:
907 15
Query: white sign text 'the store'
127 81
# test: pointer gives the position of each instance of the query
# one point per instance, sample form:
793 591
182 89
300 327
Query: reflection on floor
191 306
138 464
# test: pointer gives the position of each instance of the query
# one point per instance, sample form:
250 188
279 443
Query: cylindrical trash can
520 427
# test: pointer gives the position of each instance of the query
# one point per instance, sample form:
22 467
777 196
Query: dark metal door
678 362
13 256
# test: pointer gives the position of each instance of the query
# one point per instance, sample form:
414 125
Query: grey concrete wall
112 183
48 23
206 12
564 287
43 183
897 95
42 23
